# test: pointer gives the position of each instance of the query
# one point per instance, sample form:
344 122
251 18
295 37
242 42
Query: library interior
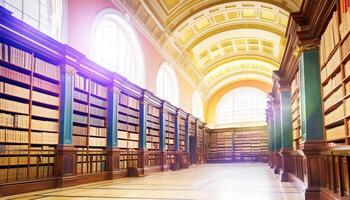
175 99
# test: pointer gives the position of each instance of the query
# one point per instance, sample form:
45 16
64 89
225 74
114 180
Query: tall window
167 87
44 15
115 46
197 105
241 105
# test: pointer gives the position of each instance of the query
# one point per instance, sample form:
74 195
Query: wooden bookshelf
295 95
170 131
200 144
239 144
152 128
29 114
182 133
335 81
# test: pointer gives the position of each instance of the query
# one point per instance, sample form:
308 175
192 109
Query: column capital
309 46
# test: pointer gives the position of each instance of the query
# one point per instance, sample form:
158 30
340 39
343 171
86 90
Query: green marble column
112 108
162 128
177 131
143 125
310 99
286 118
66 110
277 126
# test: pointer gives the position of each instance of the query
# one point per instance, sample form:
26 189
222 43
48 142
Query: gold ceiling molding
186 8
245 56
248 25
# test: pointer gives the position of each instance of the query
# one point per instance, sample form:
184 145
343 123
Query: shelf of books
335 77
29 114
170 131
296 111
153 128
89 124
192 129
200 144
250 144
182 133
128 130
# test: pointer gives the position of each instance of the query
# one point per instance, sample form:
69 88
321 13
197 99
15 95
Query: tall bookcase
128 130
29 114
153 128
335 81
170 131
295 95
182 133
89 124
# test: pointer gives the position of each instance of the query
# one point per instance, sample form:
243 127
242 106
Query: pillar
286 129
311 120
142 159
278 137
162 135
66 152
112 131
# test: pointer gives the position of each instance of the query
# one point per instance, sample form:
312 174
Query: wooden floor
211 181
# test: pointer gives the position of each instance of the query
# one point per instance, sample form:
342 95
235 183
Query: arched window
197 105
241 105
115 46
167 87
44 15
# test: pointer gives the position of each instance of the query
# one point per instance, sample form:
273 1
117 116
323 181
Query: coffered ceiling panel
217 41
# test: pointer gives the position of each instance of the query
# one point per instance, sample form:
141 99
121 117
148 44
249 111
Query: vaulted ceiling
218 42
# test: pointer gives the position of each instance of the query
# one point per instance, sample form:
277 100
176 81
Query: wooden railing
89 162
154 158
21 165
296 165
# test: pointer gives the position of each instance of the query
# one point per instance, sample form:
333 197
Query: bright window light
241 105
115 47
167 86
44 15
197 105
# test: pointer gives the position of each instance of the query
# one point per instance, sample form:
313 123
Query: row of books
45 98
128 144
128 127
95 131
46 85
169 129
336 133
335 97
98 111
80 107
14 106
344 26
13 120
128 119
85 168
170 135
128 111
169 141
152 132
127 101
98 102
80 96
347 106
332 83
335 115
44 138
330 38
331 66
24 173
80 119
14 136
345 47
81 82
151 118
18 57
151 138
97 122
13 90
128 136
97 142
170 118
79 130
47 69
152 111
44 112
14 75
4 52
7 149
98 90
152 146
152 125
79 140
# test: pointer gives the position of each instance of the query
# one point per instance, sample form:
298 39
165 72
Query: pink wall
81 15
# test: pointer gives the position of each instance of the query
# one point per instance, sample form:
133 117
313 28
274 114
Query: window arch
245 104
166 85
44 15
116 47
197 105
